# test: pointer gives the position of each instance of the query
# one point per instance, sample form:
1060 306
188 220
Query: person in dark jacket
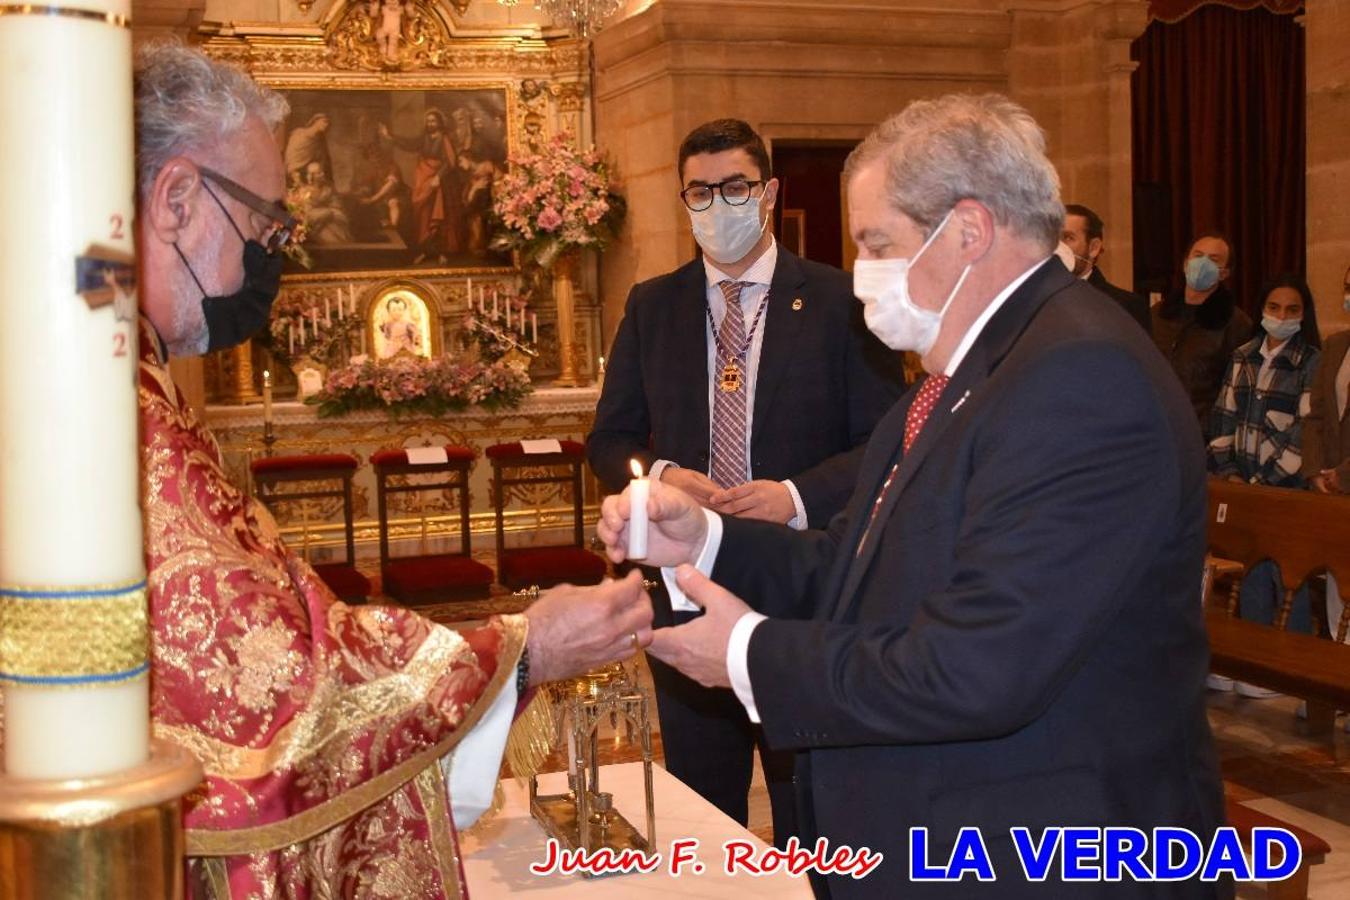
1198 327
1084 235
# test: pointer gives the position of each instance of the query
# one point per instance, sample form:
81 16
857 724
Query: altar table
498 854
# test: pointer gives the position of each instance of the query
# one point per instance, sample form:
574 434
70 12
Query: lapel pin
961 401
797 304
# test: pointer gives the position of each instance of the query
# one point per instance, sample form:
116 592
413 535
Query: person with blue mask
748 379
1257 433
1199 326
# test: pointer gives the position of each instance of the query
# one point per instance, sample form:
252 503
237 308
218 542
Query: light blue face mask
1201 273
1281 329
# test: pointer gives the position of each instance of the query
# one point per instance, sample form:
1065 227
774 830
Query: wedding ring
636 645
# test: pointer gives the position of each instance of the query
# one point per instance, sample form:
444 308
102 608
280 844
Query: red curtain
1218 114
1176 10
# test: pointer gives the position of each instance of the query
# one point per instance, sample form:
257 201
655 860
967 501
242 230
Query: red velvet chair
523 567
428 577
317 477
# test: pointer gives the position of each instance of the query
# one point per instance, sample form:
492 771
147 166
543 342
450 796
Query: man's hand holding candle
676 531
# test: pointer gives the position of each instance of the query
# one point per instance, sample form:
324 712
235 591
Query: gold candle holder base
116 837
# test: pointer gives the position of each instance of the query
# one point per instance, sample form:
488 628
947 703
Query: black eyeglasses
735 191
283 224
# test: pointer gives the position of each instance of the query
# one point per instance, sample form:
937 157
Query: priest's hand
758 499
695 484
677 526
575 629
699 647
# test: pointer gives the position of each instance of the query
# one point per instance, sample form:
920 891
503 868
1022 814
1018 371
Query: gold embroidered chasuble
320 725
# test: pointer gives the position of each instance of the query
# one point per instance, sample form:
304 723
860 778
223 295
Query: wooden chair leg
1321 718
1295 887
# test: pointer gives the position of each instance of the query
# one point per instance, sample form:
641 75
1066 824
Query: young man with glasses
748 378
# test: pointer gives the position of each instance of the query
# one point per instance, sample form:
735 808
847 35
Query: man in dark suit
761 414
1003 629
1083 234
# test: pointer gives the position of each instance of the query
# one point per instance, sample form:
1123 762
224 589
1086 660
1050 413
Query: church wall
1327 26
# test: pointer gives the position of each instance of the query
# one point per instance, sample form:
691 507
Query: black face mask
233 319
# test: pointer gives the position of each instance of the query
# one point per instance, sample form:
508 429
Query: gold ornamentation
67 636
730 382
389 35
797 305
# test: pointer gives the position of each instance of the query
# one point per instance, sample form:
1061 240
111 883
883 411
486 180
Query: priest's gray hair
188 103
962 146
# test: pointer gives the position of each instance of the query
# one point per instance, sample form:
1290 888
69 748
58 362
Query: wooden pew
1304 534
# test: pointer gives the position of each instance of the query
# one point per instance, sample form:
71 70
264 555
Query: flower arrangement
554 199
312 324
412 384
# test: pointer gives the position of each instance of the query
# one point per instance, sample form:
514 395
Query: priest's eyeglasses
282 227
735 191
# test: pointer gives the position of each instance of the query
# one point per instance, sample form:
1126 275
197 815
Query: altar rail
316 528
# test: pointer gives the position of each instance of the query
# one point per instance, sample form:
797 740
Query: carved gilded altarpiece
376 91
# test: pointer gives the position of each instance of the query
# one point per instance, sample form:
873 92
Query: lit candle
602 365
639 489
267 396
534 328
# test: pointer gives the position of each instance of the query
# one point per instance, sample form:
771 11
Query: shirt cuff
711 543
471 770
799 520
658 467
738 661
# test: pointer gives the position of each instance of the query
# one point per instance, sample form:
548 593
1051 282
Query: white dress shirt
738 646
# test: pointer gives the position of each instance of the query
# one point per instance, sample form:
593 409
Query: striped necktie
728 419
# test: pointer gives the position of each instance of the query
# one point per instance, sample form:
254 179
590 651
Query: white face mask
883 287
725 232
1280 329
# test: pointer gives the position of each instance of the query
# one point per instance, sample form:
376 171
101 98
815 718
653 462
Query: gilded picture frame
402 318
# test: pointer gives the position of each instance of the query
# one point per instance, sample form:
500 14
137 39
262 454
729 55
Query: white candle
508 315
302 332
602 365
351 298
495 313
639 489
468 293
290 339
327 312
267 396
67 528
480 303
534 328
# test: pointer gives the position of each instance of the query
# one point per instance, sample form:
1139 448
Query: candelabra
581 17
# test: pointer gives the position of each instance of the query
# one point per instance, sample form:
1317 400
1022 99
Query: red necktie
923 404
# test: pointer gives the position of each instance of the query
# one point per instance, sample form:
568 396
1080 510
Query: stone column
1069 64
1327 24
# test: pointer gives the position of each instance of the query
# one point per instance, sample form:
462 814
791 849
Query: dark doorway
809 197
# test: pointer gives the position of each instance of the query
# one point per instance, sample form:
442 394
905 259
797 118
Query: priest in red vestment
342 745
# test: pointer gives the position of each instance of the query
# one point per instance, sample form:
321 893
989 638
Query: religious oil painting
401 323
395 180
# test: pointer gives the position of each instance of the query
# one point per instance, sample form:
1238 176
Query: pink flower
549 219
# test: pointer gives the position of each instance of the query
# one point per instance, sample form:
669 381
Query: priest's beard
190 336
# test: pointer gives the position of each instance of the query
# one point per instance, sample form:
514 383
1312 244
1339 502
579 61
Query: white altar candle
327 312
468 294
290 339
267 396
602 364
508 315
639 489
351 299
495 313
534 328
302 332
70 532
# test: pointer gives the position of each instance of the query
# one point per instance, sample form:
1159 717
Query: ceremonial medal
731 378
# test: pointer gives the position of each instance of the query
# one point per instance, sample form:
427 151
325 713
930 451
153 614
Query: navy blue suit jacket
1020 639
823 383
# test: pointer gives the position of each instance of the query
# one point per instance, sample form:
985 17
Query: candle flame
636 467
267 376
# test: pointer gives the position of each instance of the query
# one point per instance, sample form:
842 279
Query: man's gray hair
961 146
188 103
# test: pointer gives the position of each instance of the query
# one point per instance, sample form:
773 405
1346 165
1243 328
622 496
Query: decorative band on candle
33 9
65 637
